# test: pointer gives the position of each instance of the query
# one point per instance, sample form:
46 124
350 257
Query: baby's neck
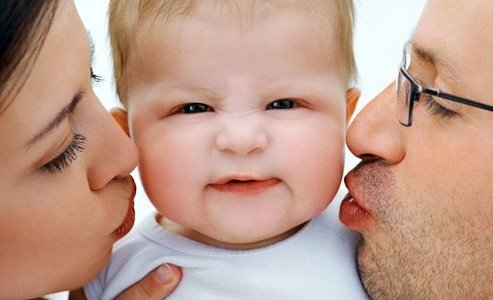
199 237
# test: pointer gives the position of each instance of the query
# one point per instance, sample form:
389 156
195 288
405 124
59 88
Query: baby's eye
195 108
282 104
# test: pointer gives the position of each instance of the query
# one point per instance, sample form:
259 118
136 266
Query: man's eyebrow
437 60
60 117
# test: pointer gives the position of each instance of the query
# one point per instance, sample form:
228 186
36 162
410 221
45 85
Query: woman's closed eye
282 104
64 160
195 108
76 146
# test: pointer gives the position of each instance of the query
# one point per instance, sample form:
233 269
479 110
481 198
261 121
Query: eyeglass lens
403 86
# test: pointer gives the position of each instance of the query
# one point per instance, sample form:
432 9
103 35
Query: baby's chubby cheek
165 177
177 164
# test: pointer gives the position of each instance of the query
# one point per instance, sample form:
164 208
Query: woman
65 191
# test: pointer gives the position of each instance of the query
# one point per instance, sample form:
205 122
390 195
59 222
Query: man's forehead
457 37
456 23
457 8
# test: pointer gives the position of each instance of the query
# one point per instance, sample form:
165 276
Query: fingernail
163 274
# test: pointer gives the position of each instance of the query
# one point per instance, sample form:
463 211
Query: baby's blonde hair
127 16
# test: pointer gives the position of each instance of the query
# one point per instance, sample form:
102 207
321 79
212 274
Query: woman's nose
114 155
375 132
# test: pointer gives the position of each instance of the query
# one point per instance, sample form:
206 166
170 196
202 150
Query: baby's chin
252 242
244 222
229 238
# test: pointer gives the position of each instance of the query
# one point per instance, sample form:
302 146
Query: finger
156 285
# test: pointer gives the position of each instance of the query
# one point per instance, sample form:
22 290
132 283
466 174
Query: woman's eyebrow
59 118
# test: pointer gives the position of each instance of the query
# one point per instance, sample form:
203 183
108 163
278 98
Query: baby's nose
241 136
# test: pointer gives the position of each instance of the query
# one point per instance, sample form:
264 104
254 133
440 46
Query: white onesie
318 262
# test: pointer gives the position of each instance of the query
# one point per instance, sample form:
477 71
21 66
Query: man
422 197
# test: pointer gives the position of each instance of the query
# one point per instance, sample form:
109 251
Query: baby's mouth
244 186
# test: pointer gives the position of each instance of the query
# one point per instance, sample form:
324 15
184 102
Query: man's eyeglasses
409 91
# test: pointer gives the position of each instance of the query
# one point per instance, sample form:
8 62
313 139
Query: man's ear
352 97
121 118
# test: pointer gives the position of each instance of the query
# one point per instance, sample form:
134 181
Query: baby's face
240 130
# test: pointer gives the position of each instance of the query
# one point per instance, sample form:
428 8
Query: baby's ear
121 118
352 97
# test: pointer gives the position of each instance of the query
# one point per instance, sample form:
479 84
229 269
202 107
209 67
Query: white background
382 27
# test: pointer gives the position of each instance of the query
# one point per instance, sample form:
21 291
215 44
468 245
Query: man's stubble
418 250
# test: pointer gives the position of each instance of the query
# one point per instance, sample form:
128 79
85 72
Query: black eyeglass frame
417 89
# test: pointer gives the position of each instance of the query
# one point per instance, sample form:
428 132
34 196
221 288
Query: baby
239 111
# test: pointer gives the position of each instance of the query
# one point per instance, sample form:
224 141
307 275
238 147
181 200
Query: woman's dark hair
24 25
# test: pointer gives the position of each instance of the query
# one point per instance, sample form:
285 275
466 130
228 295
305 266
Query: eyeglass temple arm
438 93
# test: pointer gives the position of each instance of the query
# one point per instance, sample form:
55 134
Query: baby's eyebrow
202 91
186 91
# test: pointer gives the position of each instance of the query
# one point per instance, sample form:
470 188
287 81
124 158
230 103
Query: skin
58 228
238 70
427 188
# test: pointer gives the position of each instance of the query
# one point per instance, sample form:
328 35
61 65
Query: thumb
158 284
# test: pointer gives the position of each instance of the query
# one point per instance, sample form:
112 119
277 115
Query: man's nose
375 132
241 135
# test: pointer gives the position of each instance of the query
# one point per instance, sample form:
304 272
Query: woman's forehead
60 69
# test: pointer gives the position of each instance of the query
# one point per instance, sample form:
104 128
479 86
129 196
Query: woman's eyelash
95 79
64 160
438 109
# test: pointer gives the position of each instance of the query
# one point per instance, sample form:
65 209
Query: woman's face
65 191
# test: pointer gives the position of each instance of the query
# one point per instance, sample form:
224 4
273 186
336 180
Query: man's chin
377 278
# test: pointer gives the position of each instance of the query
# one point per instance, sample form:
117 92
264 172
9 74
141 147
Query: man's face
423 195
